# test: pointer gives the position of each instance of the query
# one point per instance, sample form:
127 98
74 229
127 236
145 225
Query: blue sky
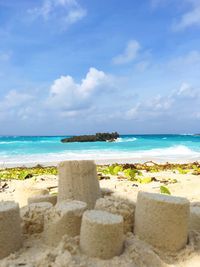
82 66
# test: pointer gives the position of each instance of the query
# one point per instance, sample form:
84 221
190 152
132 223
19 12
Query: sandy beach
118 193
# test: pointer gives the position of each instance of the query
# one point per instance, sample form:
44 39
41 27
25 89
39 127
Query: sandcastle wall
10 229
64 218
78 180
33 217
43 198
118 206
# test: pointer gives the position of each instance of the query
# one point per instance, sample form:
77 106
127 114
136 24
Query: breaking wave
122 140
179 153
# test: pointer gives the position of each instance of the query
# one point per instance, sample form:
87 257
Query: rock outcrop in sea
102 137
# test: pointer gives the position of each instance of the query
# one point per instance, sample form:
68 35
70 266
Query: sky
85 66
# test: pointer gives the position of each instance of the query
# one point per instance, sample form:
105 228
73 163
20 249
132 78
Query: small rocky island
98 137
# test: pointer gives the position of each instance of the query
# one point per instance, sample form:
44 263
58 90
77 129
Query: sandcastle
10 229
101 234
162 220
43 198
64 218
78 180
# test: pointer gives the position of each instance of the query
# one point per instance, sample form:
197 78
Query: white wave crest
122 140
27 142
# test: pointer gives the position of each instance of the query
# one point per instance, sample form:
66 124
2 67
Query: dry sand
136 252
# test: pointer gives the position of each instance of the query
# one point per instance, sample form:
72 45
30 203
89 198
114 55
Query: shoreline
102 161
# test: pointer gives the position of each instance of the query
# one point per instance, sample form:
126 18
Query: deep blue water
29 149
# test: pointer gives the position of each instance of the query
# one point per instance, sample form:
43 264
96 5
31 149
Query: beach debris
164 190
101 234
10 228
64 218
33 217
43 198
118 206
145 180
162 220
3 186
194 218
78 180
183 171
103 177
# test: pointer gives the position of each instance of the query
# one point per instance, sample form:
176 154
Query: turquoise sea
21 149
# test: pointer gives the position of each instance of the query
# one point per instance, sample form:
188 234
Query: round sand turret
10 229
63 219
78 180
194 218
43 198
101 234
162 220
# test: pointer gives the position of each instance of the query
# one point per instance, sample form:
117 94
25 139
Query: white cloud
186 90
67 94
75 15
130 53
175 104
65 12
191 58
189 18
93 80
16 104
160 103
15 99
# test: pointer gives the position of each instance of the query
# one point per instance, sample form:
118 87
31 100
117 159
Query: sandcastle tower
78 180
64 218
10 229
101 234
162 220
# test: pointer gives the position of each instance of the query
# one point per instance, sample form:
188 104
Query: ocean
41 149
